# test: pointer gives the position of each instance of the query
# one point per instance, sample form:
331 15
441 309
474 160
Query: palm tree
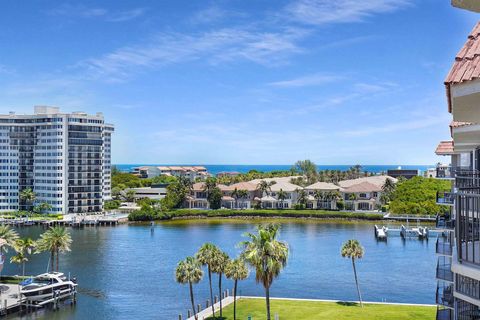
210 184
319 196
28 196
267 255
42 207
24 247
302 197
235 195
189 271
205 256
264 187
353 250
387 190
220 262
242 193
56 240
10 237
236 270
130 195
281 195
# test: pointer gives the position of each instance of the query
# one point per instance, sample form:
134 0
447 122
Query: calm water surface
127 271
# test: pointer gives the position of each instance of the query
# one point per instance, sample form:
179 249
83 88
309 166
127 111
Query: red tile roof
467 63
444 148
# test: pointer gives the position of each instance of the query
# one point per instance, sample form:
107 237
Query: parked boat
46 287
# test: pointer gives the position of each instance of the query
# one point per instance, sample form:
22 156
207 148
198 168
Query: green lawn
308 310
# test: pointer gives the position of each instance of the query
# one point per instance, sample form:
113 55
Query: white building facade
64 158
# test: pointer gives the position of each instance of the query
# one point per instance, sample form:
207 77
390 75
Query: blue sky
241 82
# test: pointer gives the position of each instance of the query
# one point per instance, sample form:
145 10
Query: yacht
47 286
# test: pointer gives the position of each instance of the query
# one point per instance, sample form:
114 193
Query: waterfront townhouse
323 195
240 195
363 194
281 195
65 158
458 267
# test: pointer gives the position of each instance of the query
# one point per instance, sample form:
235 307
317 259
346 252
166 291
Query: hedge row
287 213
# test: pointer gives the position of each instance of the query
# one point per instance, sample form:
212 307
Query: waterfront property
458 266
63 158
362 194
109 288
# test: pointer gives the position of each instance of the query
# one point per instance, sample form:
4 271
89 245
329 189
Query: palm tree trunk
267 299
193 302
52 260
57 259
220 291
23 268
356 282
211 291
235 300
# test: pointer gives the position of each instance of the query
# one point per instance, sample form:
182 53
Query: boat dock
405 232
77 221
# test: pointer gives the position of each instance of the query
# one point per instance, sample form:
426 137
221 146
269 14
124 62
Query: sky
241 82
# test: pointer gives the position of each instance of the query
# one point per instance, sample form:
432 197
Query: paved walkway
204 314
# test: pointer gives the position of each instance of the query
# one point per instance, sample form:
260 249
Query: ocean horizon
244 168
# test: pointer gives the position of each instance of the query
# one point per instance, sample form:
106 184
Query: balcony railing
467 179
444 246
445 198
444 295
444 314
444 271
468 227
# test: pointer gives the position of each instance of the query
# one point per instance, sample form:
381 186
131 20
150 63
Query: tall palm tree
28 196
210 184
302 196
267 255
236 270
189 271
353 250
220 262
243 194
23 247
264 187
206 255
319 196
281 195
235 195
56 240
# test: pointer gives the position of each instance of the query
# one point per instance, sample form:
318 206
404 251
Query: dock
71 220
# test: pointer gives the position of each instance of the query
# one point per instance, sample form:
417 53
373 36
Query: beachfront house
322 195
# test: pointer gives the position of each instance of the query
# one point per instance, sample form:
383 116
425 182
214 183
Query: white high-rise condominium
65 158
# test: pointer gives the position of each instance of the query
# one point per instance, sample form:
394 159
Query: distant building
405 173
150 193
190 172
63 157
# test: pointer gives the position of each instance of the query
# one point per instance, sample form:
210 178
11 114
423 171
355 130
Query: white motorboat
48 286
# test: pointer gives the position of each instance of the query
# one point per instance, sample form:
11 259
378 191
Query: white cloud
209 15
319 12
224 45
80 11
310 80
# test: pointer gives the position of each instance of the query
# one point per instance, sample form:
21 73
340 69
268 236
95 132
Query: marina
119 274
